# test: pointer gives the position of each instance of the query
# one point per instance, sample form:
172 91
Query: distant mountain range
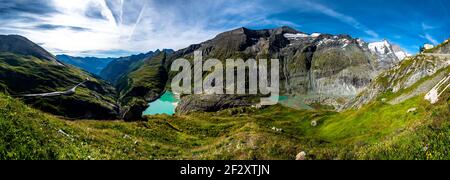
110 69
119 67
91 64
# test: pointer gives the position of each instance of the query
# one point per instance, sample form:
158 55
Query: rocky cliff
429 67
322 68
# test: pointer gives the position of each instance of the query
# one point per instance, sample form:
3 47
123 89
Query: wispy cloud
55 27
430 38
93 27
427 27
340 16
78 27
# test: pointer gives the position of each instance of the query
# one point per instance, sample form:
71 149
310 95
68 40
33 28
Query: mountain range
119 67
317 68
363 101
93 65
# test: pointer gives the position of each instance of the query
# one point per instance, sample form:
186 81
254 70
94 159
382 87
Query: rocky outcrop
434 94
403 76
443 48
133 110
211 103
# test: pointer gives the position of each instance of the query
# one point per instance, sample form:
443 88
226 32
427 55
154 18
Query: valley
341 99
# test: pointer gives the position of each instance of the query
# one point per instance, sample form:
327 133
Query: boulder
277 129
412 110
301 156
314 123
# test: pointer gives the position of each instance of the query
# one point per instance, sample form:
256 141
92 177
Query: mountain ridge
324 67
395 121
120 67
91 64
21 45
403 76
27 68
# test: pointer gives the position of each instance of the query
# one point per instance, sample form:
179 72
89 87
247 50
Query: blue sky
121 27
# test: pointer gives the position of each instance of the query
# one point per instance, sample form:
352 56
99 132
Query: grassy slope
26 74
147 79
377 131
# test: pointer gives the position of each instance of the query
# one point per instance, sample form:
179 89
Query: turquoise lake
166 104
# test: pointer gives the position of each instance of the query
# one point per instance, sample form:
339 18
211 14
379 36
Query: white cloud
86 33
427 27
372 33
430 38
340 16
84 27
135 25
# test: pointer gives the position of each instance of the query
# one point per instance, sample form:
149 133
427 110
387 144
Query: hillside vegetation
20 75
390 119
376 131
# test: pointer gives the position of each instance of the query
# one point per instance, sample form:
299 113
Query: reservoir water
166 104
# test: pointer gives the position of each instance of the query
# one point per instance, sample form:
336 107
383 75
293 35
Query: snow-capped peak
301 35
398 51
382 47
314 35
295 36
386 48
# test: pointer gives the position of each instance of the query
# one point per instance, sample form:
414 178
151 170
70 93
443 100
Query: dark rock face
315 66
211 103
133 110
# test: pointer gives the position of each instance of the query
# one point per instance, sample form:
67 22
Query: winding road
56 93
